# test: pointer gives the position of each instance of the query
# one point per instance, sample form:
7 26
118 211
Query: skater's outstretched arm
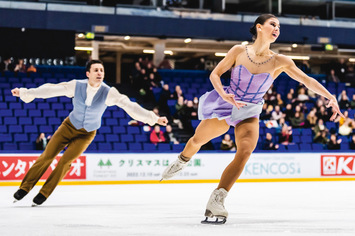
133 109
288 66
45 91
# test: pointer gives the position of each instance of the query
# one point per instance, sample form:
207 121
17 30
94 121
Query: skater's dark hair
91 62
260 20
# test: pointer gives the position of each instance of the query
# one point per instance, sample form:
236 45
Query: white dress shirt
113 98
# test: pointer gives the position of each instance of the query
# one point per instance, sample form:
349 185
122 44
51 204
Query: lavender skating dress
247 87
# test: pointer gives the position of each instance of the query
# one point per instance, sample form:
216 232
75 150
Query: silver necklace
257 63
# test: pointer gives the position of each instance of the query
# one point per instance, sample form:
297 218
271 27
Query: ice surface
283 208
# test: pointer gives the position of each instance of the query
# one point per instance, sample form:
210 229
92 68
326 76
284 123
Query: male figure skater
90 99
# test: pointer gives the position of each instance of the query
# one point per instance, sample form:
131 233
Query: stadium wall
141 25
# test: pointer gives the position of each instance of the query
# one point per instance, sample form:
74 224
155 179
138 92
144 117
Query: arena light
293 57
351 59
294 45
81 35
245 43
220 54
83 48
127 37
151 51
188 40
169 52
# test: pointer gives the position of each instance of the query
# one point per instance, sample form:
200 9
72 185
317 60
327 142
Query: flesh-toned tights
246 138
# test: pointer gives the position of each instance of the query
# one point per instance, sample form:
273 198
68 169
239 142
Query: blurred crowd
296 108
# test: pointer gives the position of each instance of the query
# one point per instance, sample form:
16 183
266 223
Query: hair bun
253 30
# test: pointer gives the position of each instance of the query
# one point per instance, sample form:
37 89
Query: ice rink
283 208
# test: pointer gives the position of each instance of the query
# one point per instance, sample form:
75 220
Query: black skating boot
39 199
19 195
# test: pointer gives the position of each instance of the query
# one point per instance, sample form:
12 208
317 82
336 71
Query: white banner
203 166
207 166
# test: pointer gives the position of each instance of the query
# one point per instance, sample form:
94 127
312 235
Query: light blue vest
88 117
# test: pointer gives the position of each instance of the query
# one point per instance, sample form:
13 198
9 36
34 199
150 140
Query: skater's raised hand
162 121
15 92
336 111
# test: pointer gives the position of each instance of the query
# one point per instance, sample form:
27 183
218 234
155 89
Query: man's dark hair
89 63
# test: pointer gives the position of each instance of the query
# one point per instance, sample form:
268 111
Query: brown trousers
66 135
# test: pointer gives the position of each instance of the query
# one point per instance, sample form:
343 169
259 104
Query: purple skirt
211 105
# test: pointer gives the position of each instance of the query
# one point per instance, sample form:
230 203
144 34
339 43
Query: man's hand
162 121
15 92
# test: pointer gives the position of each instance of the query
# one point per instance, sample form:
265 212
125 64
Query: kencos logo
337 165
272 168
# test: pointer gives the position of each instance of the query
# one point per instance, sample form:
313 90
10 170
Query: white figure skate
174 168
215 207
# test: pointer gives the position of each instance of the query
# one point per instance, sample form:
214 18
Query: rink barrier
202 181
146 168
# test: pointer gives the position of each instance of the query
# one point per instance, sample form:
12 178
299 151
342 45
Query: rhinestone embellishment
257 63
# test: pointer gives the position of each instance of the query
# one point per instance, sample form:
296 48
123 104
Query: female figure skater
254 69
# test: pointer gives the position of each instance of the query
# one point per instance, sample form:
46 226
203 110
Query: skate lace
219 199
178 165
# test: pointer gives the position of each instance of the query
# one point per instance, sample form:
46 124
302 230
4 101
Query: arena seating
21 123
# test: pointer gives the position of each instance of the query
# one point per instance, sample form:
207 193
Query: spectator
352 142
157 75
170 136
265 112
352 102
201 64
157 136
179 104
268 143
195 103
332 77
297 121
322 113
149 68
302 96
270 96
344 102
346 128
31 69
276 114
7 65
227 143
20 67
135 75
350 74
288 112
188 113
322 138
145 89
286 135
163 100
333 143
290 97
280 102
42 141
318 128
312 118
341 69
153 82
305 67
178 92
342 120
